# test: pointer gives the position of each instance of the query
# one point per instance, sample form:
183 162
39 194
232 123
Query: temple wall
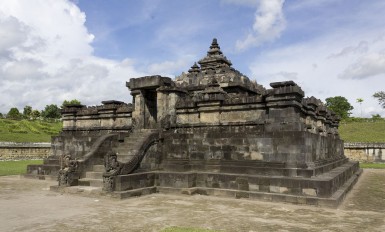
251 142
220 114
75 144
86 122
108 117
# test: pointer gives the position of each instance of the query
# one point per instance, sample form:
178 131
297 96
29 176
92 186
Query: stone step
94 175
131 143
98 168
130 140
127 153
147 131
91 182
134 192
127 146
125 158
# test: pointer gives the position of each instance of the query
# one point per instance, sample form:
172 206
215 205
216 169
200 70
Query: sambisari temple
211 131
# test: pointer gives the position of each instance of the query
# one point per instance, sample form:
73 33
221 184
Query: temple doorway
150 109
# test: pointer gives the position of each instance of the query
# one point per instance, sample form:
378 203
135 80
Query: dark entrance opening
150 109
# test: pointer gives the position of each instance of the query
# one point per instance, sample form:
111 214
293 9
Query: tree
380 97
51 111
376 116
35 114
27 112
14 113
340 106
71 102
360 100
1 115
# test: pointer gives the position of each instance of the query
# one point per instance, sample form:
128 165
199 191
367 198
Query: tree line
51 111
343 108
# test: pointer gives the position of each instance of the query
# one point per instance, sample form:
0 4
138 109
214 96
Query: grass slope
369 132
28 131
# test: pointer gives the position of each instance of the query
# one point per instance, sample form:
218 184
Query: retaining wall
24 151
365 152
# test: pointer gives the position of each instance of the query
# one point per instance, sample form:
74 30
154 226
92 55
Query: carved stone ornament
67 173
108 183
111 163
112 167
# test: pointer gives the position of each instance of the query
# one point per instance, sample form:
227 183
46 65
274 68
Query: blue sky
53 50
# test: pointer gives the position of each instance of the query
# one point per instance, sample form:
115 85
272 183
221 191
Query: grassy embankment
366 131
41 131
363 131
22 131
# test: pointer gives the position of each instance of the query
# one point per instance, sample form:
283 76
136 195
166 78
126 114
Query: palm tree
360 100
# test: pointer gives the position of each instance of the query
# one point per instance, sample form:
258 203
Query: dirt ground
28 205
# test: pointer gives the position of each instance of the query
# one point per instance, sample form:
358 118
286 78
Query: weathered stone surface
365 152
211 131
24 151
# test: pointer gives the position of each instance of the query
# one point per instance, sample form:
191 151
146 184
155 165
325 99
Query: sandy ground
28 205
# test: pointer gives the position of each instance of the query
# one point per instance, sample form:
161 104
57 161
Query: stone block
274 189
309 192
256 155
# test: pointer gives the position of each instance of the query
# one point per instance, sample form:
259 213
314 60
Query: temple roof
214 57
216 65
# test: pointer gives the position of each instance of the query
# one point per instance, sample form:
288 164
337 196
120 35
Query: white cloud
242 2
300 5
46 57
12 33
362 47
166 68
323 81
367 66
268 25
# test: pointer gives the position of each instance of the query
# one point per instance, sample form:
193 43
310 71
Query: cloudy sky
56 50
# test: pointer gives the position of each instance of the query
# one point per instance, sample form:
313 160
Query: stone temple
211 131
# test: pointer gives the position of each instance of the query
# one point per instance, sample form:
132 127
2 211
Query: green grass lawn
16 167
28 131
367 132
372 165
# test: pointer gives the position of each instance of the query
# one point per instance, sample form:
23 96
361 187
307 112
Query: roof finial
214 43
214 48
214 58
194 69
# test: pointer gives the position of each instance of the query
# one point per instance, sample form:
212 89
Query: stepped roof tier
216 65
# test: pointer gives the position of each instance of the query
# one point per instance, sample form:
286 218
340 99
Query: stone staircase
94 177
129 148
125 150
